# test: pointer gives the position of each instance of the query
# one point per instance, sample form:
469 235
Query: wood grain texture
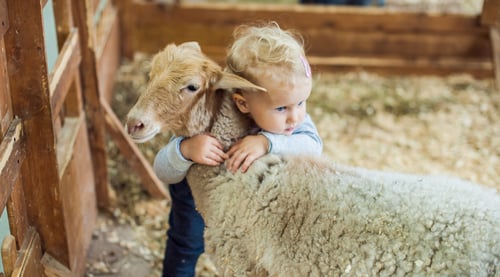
31 101
329 31
11 159
82 11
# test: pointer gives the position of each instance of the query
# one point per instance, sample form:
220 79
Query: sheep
308 216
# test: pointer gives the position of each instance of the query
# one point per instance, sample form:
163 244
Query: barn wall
337 38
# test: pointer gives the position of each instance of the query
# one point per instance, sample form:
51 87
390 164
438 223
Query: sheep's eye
193 88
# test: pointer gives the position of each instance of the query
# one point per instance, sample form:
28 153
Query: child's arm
304 140
169 164
173 161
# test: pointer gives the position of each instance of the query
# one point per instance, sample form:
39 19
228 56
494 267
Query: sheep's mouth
143 137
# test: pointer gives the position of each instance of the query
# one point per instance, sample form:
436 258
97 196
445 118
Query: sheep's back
309 216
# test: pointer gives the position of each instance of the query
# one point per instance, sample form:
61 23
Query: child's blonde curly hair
266 49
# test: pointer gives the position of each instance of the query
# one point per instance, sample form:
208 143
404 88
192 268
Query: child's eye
280 109
301 103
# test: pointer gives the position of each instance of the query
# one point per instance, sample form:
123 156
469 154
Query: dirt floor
426 125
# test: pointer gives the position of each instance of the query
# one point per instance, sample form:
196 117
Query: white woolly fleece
301 216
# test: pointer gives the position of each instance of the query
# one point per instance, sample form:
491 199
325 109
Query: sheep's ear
191 44
231 82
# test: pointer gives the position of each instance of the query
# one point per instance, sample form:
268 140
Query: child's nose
293 116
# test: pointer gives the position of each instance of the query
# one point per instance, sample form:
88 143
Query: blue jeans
185 235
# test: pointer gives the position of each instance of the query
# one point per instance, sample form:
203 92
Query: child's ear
240 102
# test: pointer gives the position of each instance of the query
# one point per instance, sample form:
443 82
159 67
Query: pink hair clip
307 68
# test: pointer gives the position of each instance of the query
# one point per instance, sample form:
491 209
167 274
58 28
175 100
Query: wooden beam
149 26
491 12
398 66
108 50
330 32
17 212
64 20
4 17
66 142
495 42
11 159
53 268
5 99
66 66
82 11
30 255
78 187
9 254
133 155
30 94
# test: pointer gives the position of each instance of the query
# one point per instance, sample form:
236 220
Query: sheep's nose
134 125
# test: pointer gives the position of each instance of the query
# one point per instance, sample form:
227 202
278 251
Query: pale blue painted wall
4 230
99 9
49 27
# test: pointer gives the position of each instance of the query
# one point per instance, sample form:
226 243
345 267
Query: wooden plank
9 254
4 17
96 127
156 24
66 142
30 100
78 188
440 66
66 66
331 32
17 212
108 51
398 66
73 103
133 155
53 268
28 264
5 102
495 41
64 20
11 159
329 42
305 16
490 14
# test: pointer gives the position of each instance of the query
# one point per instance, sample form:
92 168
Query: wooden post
64 20
82 11
30 94
490 16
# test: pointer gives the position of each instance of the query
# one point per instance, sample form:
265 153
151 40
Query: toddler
273 59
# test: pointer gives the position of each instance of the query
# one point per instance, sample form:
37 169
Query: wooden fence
338 38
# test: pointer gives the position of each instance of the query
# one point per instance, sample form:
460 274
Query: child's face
279 110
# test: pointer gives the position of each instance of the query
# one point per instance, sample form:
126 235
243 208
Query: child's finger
236 160
247 163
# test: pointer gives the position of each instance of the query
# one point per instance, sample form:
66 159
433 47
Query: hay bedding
407 124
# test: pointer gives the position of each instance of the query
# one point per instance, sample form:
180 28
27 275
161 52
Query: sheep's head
179 97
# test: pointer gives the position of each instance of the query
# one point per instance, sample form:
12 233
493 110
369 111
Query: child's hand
203 149
245 151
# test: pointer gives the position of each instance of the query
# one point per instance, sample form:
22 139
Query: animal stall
54 104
